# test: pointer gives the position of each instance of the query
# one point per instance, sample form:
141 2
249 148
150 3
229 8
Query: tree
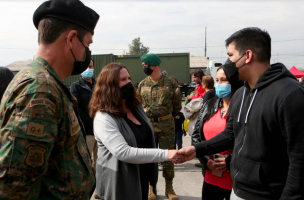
137 48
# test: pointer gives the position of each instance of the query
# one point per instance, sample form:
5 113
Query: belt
160 119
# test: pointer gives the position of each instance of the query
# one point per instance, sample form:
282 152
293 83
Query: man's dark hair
254 39
49 30
198 73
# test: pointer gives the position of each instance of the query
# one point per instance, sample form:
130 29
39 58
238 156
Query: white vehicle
213 66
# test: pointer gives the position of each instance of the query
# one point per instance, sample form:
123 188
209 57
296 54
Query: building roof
196 61
18 65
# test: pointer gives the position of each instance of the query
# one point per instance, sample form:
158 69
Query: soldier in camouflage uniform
161 101
43 154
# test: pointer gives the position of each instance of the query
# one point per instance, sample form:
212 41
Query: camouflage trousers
164 134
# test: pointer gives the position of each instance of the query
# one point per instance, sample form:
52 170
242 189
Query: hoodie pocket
249 174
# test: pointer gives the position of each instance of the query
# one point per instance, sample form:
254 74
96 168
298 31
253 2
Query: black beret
70 10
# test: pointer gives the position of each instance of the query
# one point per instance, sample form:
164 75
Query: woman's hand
220 164
210 164
174 157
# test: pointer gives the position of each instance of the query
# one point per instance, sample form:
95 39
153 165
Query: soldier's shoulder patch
74 128
35 129
44 102
35 156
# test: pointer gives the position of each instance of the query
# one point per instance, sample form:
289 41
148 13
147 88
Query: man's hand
187 153
189 97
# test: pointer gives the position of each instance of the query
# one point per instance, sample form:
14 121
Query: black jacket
179 122
266 128
83 93
198 135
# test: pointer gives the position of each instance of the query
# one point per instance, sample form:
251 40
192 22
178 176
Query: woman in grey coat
125 138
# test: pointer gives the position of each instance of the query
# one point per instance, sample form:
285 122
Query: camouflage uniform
160 99
43 154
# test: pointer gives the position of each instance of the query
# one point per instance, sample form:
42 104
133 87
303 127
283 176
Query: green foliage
137 48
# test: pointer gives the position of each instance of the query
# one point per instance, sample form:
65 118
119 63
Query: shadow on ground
187 167
161 197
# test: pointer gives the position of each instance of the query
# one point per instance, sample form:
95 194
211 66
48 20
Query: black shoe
198 165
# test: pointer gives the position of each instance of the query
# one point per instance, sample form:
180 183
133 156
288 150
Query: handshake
183 155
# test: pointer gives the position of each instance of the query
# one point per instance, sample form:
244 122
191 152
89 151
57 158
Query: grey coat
117 170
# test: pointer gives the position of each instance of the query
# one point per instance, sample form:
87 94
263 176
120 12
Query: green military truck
176 65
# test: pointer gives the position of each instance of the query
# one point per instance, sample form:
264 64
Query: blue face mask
223 91
88 73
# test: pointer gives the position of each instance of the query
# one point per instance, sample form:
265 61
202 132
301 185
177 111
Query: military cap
151 59
70 10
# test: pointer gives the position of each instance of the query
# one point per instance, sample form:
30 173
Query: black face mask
127 91
231 71
147 69
80 66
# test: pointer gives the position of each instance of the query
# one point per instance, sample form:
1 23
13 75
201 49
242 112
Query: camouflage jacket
160 98
43 154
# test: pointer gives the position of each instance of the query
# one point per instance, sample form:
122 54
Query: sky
166 27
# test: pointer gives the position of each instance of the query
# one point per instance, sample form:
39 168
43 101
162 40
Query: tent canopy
297 73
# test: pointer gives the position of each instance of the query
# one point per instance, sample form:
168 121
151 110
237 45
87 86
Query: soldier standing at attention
43 150
162 102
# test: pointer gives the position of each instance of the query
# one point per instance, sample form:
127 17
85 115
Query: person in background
6 76
179 130
199 90
83 90
125 138
211 121
179 126
44 154
208 85
265 125
162 102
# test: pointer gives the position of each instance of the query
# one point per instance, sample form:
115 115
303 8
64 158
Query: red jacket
199 92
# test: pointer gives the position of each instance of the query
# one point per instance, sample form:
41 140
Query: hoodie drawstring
249 106
241 104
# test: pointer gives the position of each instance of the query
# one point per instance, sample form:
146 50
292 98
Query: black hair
254 39
235 85
6 76
199 73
